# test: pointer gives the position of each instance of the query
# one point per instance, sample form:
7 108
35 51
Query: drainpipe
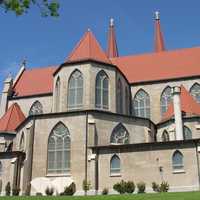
197 156
176 91
86 150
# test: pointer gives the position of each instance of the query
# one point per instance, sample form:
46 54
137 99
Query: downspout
31 153
86 146
198 169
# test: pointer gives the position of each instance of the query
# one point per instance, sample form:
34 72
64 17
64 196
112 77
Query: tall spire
159 41
112 50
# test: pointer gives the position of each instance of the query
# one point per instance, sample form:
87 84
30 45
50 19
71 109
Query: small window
177 161
115 165
141 104
187 133
165 136
21 144
195 92
75 90
165 99
119 97
1 168
57 95
36 108
119 135
102 90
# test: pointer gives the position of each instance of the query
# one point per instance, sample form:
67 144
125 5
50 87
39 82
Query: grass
161 196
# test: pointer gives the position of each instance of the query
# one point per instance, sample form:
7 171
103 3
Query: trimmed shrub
155 187
120 187
105 191
15 191
86 186
69 191
49 191
164 187
38 194
8 189
141 187
130 187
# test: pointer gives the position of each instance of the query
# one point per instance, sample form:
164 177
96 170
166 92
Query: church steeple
112 50
159 41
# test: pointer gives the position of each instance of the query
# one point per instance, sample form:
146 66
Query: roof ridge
155 53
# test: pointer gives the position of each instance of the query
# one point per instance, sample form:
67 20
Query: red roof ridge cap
155 53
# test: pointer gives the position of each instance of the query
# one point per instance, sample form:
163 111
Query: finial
9 75
23 64
88 30
111 22
157 15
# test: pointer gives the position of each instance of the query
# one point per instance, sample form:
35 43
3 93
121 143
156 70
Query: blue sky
48 41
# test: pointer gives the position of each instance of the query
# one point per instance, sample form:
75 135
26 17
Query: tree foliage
19 7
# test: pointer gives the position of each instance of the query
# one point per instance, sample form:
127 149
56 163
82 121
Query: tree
19 7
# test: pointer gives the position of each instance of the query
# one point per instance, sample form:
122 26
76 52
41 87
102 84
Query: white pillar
176 91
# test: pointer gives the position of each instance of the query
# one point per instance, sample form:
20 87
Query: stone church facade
102 117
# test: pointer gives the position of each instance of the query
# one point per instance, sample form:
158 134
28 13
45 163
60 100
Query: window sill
115 175
181 171
58 175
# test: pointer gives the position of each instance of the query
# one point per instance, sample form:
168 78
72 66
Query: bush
155 187
120 187
86 186
8 189
141 187
38 194
15 191
164 187
49 191
105 191
129 187
69 190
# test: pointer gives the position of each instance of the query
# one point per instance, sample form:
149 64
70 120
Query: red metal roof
88 48
11 119
160 65
159 41
35 81
188 105
112 50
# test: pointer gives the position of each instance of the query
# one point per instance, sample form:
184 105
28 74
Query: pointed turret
112 50
88 49
159 41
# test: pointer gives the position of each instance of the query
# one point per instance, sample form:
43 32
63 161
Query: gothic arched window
119 135
22 143
75 90
102 90
195 92
119 97
57 95
1 168
177 160
127 100
115 167
59 146
187 133
165 99
141 104
36 108
165 136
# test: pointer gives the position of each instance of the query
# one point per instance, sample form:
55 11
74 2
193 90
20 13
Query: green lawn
162 196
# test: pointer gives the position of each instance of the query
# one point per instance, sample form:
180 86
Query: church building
103 118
